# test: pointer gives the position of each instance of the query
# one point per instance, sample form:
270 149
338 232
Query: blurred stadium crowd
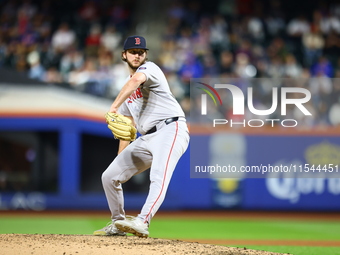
79 43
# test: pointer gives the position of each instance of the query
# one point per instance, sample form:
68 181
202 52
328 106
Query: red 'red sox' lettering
135 95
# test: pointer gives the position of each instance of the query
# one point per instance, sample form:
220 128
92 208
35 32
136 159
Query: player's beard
135 66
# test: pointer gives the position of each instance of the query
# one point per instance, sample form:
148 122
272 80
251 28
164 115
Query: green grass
52 225
246 229
178 228
297 250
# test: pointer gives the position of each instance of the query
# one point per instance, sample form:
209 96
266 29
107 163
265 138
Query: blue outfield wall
287 189
185 192
304 153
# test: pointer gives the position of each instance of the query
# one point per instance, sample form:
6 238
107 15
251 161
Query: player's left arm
130 86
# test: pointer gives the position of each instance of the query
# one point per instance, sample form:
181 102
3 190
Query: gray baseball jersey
160 151
152 101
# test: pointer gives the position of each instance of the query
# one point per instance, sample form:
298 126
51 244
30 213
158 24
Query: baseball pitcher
144 104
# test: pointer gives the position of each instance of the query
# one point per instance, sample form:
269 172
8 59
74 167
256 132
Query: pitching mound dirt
22 244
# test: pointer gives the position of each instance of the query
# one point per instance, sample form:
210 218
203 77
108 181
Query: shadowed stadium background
60 69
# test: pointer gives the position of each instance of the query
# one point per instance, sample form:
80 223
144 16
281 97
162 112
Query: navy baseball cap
135 42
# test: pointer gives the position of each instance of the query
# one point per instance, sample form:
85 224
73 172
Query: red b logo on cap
137 41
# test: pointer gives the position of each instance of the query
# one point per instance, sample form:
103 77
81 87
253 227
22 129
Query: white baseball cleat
109 230
134 226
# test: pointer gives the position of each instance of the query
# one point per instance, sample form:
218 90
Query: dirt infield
24 244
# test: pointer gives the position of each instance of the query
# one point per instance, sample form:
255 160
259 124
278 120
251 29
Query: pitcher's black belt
167 122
